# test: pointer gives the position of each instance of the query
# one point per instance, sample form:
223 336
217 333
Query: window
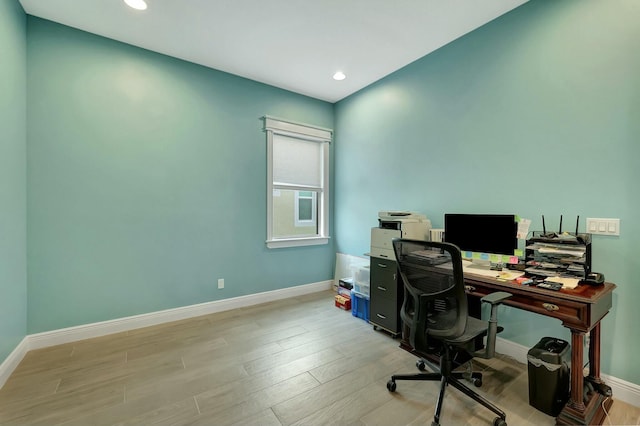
305 208
297 184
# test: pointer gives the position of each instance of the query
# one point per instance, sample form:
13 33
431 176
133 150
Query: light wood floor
294 362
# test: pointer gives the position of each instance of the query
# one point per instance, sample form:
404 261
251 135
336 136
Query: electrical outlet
221 283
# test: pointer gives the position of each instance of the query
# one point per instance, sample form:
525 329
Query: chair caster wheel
391 386
477 383
421 365
499 421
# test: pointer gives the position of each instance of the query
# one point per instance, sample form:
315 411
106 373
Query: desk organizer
566 254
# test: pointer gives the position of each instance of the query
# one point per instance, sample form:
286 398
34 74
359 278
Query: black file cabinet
386 295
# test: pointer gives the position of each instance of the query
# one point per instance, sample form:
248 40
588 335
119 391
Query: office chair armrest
494 299
497 297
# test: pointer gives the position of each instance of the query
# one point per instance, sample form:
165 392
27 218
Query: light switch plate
602 226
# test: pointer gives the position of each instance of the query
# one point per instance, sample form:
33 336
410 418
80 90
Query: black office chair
435 312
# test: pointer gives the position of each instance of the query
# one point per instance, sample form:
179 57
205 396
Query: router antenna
560 229
544 228
577 222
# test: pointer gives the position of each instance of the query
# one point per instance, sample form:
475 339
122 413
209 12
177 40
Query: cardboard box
344 292
346 283
343 302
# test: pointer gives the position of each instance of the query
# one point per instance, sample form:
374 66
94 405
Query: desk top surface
584 293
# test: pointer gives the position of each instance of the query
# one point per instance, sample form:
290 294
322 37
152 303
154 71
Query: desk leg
575 412
594 354
577 348
594 375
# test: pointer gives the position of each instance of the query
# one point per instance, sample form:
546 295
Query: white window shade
296 162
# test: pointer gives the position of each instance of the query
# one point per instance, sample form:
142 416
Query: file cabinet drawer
384 313
383 273
385 290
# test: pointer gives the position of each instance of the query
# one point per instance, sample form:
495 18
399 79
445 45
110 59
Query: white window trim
311 133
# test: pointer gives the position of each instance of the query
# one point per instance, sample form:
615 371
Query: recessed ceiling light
339 76
136 4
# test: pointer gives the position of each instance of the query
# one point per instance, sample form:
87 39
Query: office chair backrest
435 303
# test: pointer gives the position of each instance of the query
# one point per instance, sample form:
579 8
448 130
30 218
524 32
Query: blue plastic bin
360 306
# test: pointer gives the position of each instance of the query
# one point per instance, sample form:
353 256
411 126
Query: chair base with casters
452 378
450 359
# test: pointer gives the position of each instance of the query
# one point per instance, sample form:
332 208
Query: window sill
297 242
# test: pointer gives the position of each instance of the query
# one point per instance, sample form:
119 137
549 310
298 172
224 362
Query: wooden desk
580 310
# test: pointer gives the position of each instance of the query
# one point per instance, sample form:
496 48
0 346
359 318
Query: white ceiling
293 44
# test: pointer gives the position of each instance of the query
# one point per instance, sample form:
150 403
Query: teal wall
537 112
147 182
13 112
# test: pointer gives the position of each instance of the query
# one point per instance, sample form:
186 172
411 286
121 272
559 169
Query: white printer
397 224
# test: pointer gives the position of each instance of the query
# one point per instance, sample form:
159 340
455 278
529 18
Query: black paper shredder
549 375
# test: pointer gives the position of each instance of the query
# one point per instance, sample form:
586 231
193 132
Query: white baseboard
622 390
514 350
12 361
87 331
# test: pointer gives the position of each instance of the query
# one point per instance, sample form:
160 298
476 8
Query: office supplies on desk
594 278
430 256
564 281
566 255
505 274
550 285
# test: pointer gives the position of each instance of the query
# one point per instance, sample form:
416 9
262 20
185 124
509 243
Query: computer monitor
483 238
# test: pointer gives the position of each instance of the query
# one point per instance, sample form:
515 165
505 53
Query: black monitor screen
483 233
